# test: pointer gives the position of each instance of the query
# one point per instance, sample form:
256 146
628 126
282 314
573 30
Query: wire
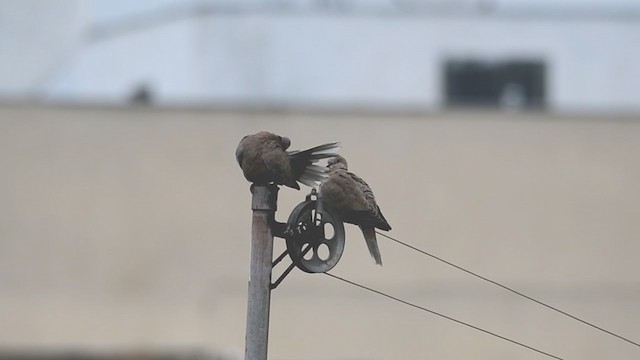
510 289
443 316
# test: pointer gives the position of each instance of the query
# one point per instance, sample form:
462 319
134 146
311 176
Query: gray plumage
353 201
263 159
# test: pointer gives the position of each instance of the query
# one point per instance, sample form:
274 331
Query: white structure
36 39
389 55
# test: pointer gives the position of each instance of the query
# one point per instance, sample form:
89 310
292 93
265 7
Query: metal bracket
278 229
284 274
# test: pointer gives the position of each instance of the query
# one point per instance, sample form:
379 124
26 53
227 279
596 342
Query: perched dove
264 159
353 201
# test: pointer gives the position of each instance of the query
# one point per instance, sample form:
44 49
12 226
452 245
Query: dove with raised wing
263 159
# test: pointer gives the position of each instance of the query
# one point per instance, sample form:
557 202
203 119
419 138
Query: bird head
284 142
337 162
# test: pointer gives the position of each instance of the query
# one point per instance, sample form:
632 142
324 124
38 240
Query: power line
443 316
510 289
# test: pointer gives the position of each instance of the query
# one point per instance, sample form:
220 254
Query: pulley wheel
315 242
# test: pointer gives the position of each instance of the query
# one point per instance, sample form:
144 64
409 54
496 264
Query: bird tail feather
372 243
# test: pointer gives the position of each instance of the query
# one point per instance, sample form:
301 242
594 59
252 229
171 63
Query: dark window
516 84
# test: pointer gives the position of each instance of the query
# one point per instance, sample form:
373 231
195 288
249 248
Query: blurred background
501 135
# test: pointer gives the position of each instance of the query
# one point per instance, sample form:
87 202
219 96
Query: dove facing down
353 201
263 159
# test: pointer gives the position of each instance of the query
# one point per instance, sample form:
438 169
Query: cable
510 289
443 316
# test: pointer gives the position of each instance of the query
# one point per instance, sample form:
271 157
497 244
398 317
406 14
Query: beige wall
129 229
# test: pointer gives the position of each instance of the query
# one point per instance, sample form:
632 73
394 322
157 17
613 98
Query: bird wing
302 163
365 189
343 194
353 192
277 163
372 206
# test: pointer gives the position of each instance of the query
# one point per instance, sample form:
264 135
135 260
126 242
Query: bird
353 202
263 159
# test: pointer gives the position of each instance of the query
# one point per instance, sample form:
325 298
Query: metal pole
263 204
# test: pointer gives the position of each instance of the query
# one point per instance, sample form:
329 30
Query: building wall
36 39
372 60
129 229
